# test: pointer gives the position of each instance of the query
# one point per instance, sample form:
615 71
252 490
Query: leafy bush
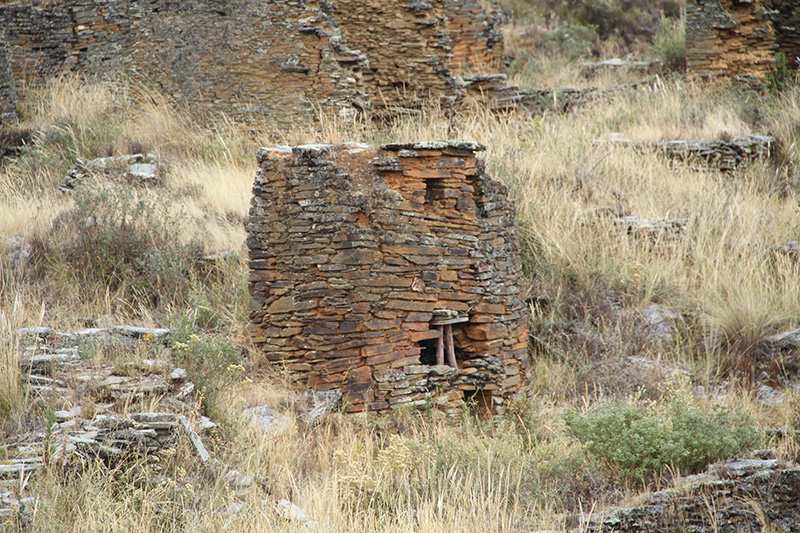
639 441
669 44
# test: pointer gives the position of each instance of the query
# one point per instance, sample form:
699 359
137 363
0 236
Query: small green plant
669 44
211 361
640 440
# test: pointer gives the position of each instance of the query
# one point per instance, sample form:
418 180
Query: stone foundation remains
268 62
738 39
392 274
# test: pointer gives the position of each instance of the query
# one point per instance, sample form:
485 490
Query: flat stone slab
466 146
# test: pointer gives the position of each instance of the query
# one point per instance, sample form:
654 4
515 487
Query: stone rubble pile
737 496
135 168
95 419
492 92
55 374
725 155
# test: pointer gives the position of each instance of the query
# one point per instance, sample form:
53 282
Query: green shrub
625 20
638 441
669 44
569 40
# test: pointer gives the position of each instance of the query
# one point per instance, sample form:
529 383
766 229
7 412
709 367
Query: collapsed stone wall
367 265
733 39
736 496
262 60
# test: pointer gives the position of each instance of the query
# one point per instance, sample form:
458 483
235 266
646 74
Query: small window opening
434 189
446 352
480 403
427 355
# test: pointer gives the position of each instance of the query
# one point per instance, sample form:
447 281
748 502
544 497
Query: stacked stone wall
477 42
262 61
358 253
8 91
732 39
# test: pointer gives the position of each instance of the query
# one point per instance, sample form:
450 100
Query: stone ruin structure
392 274
737 39
266 62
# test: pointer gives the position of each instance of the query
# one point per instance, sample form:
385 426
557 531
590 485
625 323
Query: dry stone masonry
265 61
738 39
8 91
392 274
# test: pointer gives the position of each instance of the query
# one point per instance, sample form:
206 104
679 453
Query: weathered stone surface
321 404
591 69
269 61
724 155
8 90
268 421
659 321
737 40
741 495
404 243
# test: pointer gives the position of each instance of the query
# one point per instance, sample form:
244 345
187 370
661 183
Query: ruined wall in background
735 39
362 258
262 61
8 92
273 60
477 41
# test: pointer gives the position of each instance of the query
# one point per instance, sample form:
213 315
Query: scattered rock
179 374
136 168
195 439
13 140
139 333
725 155
237 480
204 424
770 397
659 322
590 69
786 340
40 332
289 511
19 252
321 404
651 230
791 249
234 508
268 421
